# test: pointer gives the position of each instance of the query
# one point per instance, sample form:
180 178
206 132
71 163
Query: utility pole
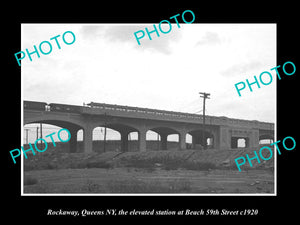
41 130
204 96
37 132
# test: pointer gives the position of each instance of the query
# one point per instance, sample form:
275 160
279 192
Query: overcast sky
105 64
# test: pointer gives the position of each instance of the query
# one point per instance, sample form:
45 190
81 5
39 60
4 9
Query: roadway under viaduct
224 132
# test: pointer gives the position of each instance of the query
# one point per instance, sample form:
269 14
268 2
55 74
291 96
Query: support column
254 139
182 140
124 142
73 141
88 140
194 141
247 142
223 138
142 140
214 135
164 141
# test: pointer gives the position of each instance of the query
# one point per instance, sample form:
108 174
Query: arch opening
240 142
200 139
114 137
162 138
34 131
266 139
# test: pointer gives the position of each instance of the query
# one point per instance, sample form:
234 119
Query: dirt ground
137 180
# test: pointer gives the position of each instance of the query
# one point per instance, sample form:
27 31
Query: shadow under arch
265 137
163 133
201 139
124 130
72 127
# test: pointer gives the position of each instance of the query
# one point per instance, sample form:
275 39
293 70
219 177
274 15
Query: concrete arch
164 132
200 137
59 123
118 126
73 129
70 121
54 120
121 128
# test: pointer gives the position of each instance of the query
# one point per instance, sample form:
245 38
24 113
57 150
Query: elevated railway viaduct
222 131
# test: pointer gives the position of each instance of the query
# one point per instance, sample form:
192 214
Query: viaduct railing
156 114
146 113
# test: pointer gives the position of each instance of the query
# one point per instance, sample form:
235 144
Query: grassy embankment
173 171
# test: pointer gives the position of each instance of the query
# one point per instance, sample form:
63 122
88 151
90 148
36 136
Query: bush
147 165
91 187
51 166
167 162
172 165
100 164
198 166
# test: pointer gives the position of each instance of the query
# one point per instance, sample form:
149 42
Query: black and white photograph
162 114
159 117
